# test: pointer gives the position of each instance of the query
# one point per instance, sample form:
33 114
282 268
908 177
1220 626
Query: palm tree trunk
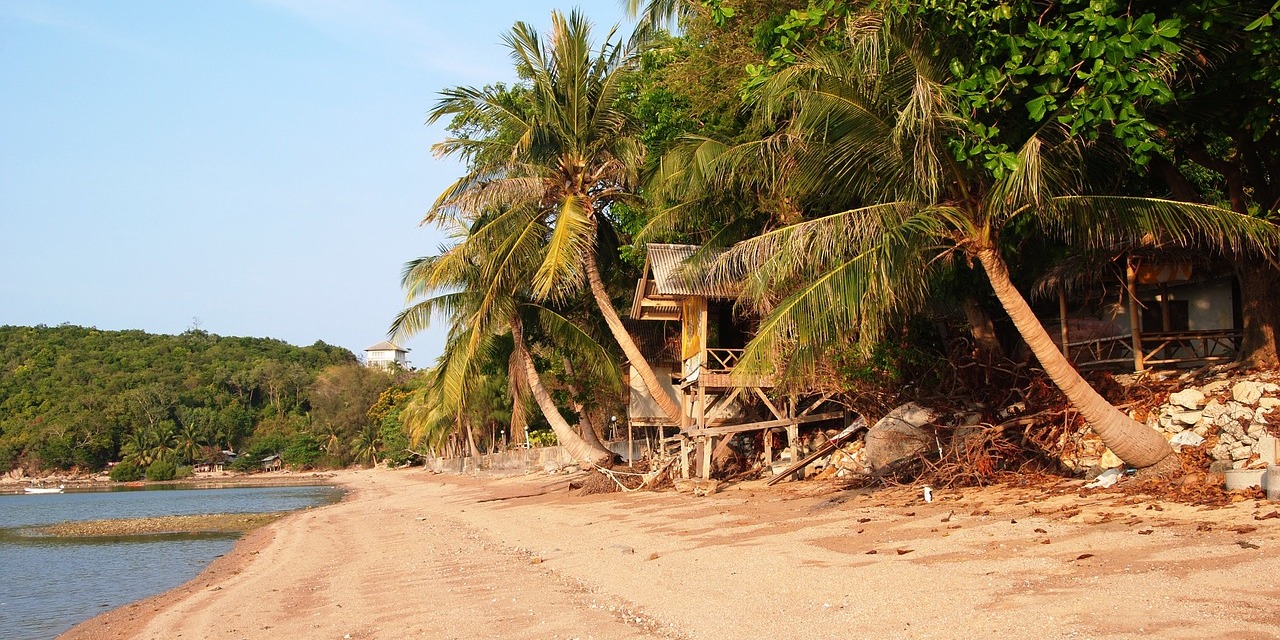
1132 441
572 442
629 348
586 424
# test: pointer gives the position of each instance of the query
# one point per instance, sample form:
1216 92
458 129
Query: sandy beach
415 555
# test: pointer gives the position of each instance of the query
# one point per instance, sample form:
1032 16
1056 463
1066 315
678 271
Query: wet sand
414 555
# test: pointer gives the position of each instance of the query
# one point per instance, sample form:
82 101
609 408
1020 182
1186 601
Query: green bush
126 472
185 471
162 470
302 451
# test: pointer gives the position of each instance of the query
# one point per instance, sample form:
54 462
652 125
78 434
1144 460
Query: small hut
711 341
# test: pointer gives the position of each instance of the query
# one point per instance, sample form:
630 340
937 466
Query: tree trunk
572 442
586 424
1132 441
1260 306
471 443
629 348
981 327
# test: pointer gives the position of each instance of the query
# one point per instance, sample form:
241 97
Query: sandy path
421 556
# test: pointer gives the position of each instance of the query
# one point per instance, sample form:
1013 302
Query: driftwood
831 445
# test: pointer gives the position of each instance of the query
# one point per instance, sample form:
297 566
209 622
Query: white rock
1166 423
1188 398
1268 403
1247 391
1241 452
1215 387
1271 387
1202 430
1238 411
1188 417
1214 409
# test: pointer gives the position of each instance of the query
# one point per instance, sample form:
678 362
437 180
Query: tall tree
482 290
878 122
554 157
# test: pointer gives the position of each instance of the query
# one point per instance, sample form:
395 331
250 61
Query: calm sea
47 585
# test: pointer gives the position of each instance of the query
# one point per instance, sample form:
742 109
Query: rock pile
1231 416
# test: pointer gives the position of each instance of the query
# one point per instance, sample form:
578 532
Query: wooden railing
722 360
1158 349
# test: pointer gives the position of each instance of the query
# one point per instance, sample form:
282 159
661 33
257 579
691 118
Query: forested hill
72 396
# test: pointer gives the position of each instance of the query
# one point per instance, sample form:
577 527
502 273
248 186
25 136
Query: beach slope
414 555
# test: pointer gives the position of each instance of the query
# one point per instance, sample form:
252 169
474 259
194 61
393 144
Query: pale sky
258 165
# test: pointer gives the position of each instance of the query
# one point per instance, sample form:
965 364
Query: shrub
185 471
126 472
162 470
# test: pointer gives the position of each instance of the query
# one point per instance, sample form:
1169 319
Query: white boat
57 489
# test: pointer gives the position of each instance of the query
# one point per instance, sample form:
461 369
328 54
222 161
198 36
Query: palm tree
551 157
871 125
481 286
366 443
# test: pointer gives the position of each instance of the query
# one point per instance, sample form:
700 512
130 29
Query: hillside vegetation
77 397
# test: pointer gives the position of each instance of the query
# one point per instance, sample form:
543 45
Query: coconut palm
871 125
480 285
552 156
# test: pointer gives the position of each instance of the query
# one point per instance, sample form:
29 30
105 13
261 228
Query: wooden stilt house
713 403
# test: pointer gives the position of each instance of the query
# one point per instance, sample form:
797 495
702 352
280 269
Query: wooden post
793 444
631 444
684 457
708 444
1062 314
766 439
1135 315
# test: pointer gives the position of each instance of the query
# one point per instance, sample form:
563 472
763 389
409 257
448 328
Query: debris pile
1229 419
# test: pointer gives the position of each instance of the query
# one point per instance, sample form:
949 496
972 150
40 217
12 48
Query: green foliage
302 450
543 438
126 472
162 470
79 397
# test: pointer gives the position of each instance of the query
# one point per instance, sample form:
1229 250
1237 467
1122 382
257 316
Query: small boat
57 489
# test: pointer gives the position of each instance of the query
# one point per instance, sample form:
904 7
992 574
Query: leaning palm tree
482 289
872 124
553 156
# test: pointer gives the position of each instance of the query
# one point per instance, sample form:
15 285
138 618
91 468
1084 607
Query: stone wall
515 460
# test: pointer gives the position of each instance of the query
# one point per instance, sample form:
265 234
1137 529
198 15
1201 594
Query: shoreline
122 621
205 481
518 557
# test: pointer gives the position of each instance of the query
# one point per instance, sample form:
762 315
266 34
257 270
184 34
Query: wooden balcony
720 362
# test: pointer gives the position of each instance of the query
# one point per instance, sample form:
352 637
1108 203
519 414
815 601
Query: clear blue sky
260 165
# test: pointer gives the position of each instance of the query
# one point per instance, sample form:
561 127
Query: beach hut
272 463
713 402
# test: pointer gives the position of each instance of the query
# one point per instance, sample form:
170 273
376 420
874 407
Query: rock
1238 411
1247 392
1187 439
1213 409
1271 387
1110 460
551 466
1167 423
1202 430
899 435
1188 399
1234 429
1241 452
1215 387
1188 417
1268 403
1220 452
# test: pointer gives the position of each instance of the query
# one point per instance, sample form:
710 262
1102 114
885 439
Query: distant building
385 354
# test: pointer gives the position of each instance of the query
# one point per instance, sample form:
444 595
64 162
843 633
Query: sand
415 555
